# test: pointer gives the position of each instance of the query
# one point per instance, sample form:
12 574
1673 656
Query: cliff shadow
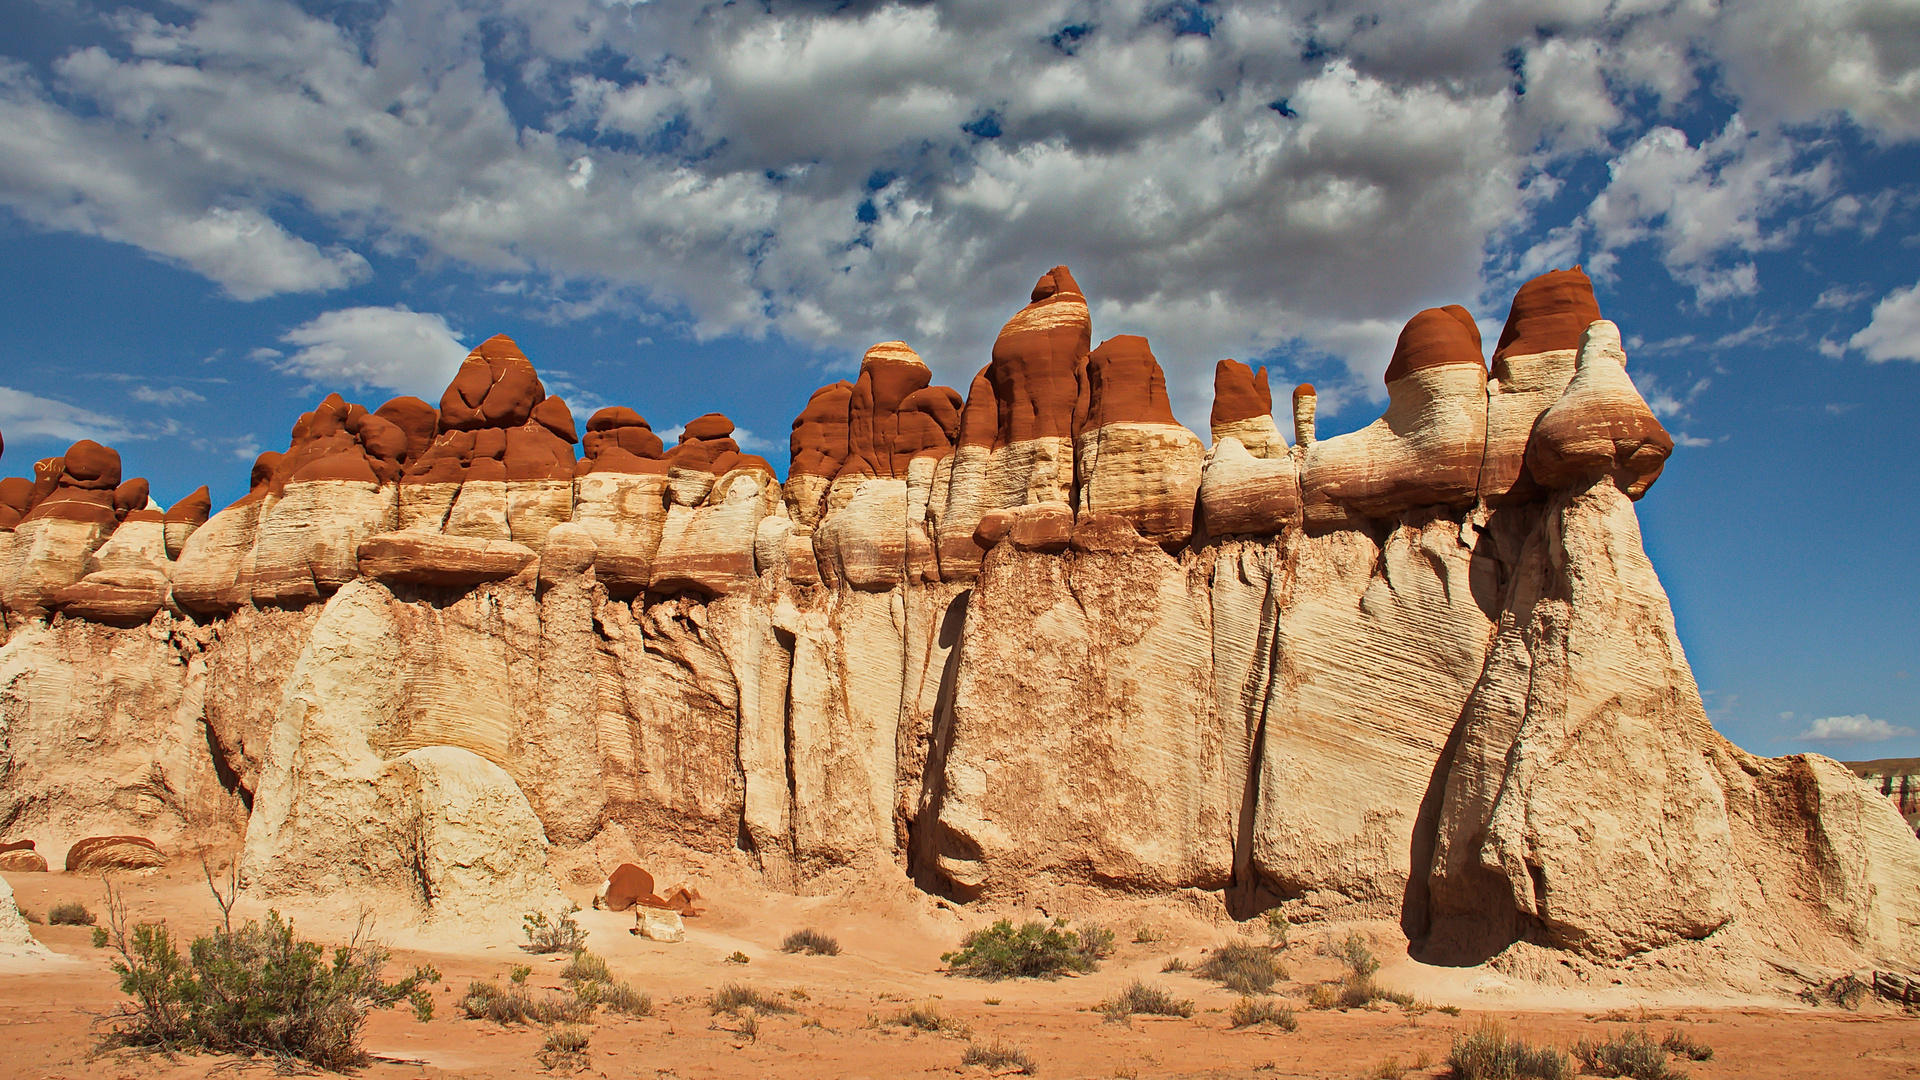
926 839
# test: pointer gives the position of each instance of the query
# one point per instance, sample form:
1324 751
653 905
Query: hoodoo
1038 641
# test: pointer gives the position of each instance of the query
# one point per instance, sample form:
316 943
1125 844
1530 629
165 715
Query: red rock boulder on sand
97 853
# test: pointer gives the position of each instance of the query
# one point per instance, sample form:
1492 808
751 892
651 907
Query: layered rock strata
1018 646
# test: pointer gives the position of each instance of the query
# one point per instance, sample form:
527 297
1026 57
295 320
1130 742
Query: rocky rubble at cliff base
1037 641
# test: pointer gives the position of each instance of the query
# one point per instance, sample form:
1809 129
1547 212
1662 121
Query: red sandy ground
50 1013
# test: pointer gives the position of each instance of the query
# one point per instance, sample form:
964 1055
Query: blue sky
216 212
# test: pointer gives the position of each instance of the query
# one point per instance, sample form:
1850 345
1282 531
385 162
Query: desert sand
52 1010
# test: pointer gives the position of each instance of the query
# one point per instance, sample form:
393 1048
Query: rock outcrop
1024 646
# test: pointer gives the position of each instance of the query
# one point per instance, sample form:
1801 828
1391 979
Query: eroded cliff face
1030 643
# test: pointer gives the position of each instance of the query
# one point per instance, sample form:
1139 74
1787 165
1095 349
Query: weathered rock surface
1423 668
98 854
16 937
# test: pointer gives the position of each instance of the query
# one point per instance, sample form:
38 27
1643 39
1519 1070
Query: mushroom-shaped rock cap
1436 337
711 426
192 510
1125 384
1054 282
91 466
1239 393
1550 312
495 387
819 442
416 418
1304 390
614 417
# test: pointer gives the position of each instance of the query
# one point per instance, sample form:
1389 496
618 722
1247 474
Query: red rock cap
1436 337
1239 393
1550 312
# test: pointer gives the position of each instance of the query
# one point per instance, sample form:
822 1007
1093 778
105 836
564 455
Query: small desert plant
747 1022
1146 935
1278 929
739 957
565 1048
257 990
1252 1012
733 997
1035 950
1450 1010
623 998
1174 964
1243 968
1487 1053
1144 999
422 1003
518 974
560 934
1359 959
1680 1044
928 1017
998 1055
1389 1069
585 967
70 913
1324 996
514 1005
811 942
1096 942
1633 1053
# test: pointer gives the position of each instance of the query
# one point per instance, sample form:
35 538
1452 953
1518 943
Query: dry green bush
1243 967
1254 1012
1632 1053
514 1004
560 934
70 913
928 1017
998 1055
811 942
1145 999
565 1049
1033 951
733 997
1488 1053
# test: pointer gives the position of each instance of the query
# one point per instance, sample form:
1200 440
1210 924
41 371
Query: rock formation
1020 645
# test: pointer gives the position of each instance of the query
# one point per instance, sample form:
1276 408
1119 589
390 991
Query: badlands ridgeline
1036 641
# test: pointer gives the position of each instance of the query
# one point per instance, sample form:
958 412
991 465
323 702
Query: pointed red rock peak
1436 337
1549 313
194 509
498 347
1125 384
1239 393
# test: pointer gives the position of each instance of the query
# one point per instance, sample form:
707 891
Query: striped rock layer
1029 644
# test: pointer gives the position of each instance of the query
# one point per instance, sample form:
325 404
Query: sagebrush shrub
514 1004
258 990
1145 999
1243 968
998 1055
1633 1053
1250 1012
560 934
1488 1053
70 913
1034 950
736 996
812 942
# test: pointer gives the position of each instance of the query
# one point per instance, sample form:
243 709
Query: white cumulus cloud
1894 333
1852 729
391 348
25 416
